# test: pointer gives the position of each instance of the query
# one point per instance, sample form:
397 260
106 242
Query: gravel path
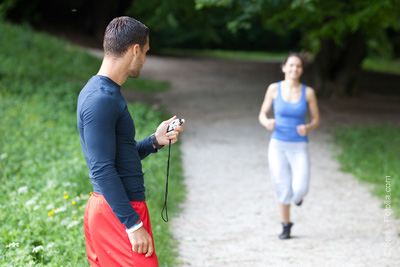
230 217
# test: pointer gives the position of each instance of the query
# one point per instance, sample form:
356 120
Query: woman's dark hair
302 58
121 33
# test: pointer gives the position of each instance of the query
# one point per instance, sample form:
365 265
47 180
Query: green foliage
39 61
244 10
30 61
175 22
382 65
182 24
44 179
318 19
5 7
371 154
44 185
268 25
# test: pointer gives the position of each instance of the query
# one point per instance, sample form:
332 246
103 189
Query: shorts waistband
98 195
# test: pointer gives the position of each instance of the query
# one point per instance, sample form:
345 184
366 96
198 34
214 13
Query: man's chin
135 75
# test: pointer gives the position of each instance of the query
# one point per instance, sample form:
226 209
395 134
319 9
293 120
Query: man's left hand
163 137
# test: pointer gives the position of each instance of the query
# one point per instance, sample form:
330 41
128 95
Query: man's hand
163 137
141 242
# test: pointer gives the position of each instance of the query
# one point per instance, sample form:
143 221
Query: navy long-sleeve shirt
112 155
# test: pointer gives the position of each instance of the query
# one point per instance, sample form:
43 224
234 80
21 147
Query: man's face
139 60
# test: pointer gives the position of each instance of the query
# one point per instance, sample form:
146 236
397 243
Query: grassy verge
372 154
44 182
382 65
229 54
145 85
371 64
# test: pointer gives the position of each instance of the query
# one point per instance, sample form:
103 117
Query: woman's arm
266 106
313 107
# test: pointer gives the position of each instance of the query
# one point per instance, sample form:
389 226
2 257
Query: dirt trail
230 216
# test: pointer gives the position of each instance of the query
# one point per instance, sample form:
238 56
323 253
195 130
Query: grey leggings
289 168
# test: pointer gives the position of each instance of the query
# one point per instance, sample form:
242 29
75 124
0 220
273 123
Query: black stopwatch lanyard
166 188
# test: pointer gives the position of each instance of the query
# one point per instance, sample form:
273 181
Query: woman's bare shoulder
272 90
310 93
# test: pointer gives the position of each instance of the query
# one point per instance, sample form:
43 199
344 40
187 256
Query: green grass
370 63
230 54
372 153
44 179
146 85
382 65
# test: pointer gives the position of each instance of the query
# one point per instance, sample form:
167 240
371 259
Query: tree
179 24
340 33
88 16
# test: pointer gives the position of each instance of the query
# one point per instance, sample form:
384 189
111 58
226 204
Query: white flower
36 207
72 224
51 184
50 206
3 156
61 209
50 245
12 245
23 190
31 201
37 249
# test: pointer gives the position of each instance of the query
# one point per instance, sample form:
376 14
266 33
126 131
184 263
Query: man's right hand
141 242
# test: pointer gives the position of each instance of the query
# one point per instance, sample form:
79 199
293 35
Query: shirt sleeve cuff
150 146
132 221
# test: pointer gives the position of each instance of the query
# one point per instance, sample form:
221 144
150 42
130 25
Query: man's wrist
134 228
155 142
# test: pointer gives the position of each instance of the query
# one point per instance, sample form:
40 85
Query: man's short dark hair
121 33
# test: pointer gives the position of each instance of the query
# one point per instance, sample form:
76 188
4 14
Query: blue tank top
288 116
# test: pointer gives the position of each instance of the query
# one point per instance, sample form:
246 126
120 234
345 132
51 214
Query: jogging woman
288 148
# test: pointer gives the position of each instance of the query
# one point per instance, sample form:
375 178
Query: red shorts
107 243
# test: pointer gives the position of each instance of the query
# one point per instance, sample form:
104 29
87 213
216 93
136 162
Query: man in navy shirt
116 223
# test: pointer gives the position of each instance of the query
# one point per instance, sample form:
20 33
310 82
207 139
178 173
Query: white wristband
134 228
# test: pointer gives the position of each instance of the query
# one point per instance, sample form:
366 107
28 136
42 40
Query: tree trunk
337 67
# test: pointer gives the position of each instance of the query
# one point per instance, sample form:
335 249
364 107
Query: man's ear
135 49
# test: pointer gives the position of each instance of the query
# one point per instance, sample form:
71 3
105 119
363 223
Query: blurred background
353 51
339 37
